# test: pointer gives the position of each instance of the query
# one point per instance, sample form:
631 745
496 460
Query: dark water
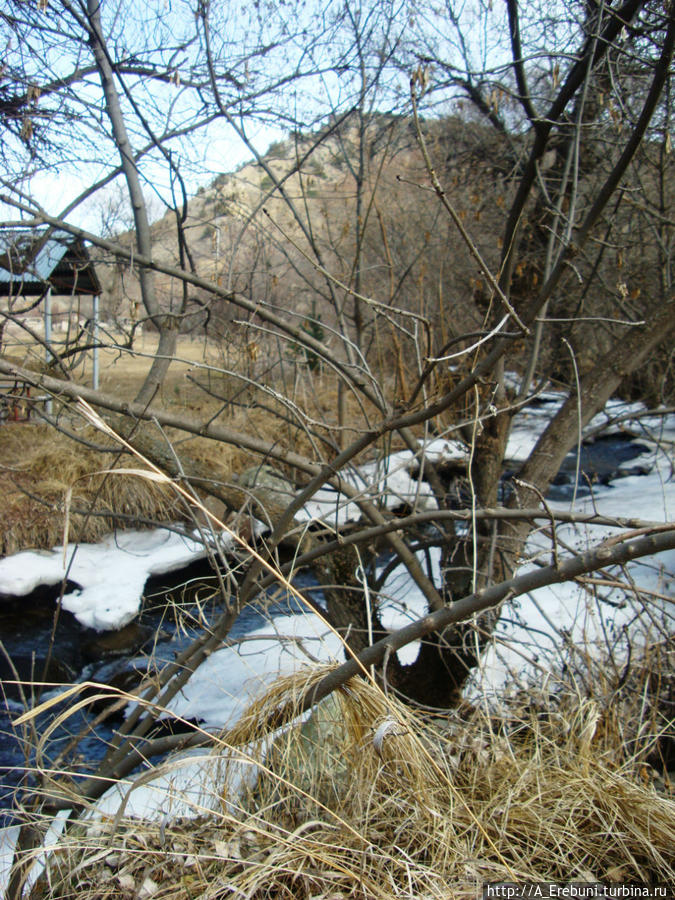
601 462
176 610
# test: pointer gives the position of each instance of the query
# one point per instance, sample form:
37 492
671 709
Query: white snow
8 839
198 782
527 427
530 422
217 694
528 638
225 684
387 482
402 601
654 426
111 575
186 785
535 631
444 450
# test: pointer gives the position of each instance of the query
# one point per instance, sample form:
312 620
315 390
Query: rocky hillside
279 229
348 212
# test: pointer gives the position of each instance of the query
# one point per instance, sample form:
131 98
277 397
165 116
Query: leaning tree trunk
165 324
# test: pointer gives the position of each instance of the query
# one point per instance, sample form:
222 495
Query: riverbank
578 662
370 799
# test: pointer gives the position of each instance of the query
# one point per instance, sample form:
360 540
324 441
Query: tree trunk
164 324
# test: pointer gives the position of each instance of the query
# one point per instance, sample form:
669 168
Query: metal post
48 321
48 337
94 332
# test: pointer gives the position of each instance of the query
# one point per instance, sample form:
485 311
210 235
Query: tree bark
165 324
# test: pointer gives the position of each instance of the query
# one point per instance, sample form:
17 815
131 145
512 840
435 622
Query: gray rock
270 491
312 756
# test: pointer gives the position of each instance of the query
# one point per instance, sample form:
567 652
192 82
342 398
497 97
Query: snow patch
187 785
402 601
197 782
111 575
537 630
387 482
226 683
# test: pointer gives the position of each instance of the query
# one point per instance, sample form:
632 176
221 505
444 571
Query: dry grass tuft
369 799
40 465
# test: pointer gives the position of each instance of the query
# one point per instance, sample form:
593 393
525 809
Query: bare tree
544 118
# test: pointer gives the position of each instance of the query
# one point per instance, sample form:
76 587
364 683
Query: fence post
94 333
48 336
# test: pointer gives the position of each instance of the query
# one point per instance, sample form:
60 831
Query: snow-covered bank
110 575
394 480
217 694
529 423
533 631
8 839
223 686
388 481
560 625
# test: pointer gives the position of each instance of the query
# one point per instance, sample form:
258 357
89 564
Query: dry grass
40 465
371 800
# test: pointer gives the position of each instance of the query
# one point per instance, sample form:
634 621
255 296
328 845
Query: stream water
176 609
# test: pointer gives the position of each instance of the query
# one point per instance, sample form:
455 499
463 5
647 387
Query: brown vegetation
373 279
46 477
371 800
412 258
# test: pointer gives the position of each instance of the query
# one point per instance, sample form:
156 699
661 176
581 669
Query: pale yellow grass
44 474
430 809
278 402
287 406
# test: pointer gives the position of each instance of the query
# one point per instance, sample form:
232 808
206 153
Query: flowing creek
176 608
